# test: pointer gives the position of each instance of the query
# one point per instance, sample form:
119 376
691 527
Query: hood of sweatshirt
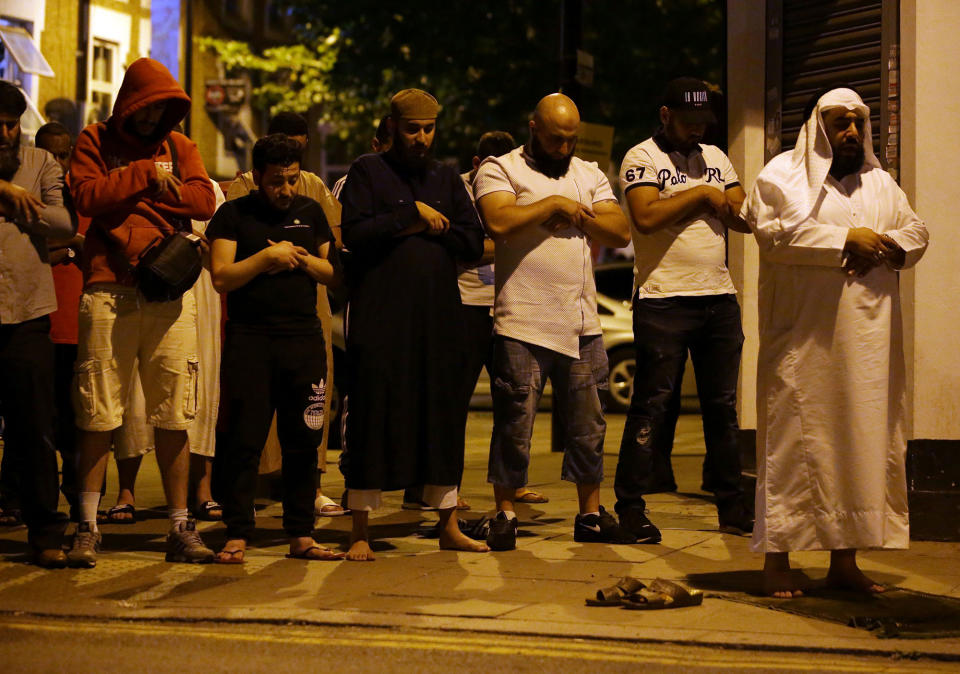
145 82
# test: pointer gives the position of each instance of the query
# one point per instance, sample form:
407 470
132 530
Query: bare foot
360 551
458 541
781 584
232 552
853 580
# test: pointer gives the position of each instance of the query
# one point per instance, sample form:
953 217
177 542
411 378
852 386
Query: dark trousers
478 337
65 426
64 434
260 374
26 395
665 329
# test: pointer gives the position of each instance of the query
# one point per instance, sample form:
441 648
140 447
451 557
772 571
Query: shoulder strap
172 149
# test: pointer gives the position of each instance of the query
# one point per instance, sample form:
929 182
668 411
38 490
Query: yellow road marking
557 648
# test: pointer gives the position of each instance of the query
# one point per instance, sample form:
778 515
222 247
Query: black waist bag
169 267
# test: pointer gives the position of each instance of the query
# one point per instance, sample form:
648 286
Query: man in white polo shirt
542 207
683 196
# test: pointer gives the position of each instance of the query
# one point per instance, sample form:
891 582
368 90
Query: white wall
930 147
745 96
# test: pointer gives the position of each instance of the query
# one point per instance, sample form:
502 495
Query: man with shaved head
543 207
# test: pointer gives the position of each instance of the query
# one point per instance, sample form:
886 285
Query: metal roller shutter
813 44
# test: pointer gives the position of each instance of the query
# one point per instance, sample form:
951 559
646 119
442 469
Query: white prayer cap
813 151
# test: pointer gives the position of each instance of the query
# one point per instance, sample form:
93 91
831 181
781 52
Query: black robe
405 416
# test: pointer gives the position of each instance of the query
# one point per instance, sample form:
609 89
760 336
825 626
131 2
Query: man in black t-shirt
269 250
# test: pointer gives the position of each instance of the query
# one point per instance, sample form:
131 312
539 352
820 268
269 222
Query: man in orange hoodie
138 181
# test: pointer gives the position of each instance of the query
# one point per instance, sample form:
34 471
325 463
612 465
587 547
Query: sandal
205 511
122 509
325 554
232 556
616 595
324 506
663 594
10 517
530 496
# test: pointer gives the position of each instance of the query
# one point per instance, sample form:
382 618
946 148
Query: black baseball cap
691 97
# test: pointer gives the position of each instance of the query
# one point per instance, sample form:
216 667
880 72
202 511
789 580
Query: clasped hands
17 203
567 213
866 249
285 256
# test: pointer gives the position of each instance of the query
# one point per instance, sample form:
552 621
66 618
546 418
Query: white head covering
813 152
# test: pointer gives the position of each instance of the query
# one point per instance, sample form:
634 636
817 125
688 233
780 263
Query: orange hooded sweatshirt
113 176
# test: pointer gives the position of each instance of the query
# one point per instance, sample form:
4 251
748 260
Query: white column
745 96
930 148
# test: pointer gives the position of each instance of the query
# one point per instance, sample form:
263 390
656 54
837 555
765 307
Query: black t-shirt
285 302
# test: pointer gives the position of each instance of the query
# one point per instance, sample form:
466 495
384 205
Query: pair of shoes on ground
593 528
632 594
184 545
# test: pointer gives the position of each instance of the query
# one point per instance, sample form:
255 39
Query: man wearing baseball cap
683 196
407 221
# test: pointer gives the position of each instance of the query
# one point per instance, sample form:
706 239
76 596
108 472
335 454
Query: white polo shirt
689 257
545 292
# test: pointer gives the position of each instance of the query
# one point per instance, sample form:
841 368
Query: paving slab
538 589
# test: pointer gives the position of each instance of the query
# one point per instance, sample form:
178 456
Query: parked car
614 292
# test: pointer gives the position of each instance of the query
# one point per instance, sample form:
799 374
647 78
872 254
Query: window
104 79
20 54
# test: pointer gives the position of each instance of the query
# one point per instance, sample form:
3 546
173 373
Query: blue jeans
520 371
664 330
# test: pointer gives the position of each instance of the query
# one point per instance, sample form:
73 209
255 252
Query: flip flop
462 505
324 506
232 557
326 555
122 509
531 496
663 594
616 595
204 511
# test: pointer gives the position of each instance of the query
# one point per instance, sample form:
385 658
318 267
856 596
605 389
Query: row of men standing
407 220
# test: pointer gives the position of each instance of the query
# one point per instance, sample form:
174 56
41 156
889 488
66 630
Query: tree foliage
287 77
488 63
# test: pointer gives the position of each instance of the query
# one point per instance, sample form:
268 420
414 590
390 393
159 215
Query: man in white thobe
834 229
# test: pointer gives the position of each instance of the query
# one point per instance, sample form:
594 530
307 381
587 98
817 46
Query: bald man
543 208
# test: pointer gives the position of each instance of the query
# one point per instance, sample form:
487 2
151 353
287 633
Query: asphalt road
58 645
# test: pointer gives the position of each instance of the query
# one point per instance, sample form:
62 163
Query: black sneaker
503 533
602 528
736 519
635 521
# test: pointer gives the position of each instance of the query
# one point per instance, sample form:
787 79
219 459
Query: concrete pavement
539 589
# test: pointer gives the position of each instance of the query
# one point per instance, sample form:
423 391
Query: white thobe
830 392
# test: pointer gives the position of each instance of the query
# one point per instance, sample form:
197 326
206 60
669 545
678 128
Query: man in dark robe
407 220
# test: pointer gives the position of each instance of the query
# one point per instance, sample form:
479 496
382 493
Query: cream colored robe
830 391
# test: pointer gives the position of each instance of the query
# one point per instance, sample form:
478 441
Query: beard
845 163
9 159
547 165
415 157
